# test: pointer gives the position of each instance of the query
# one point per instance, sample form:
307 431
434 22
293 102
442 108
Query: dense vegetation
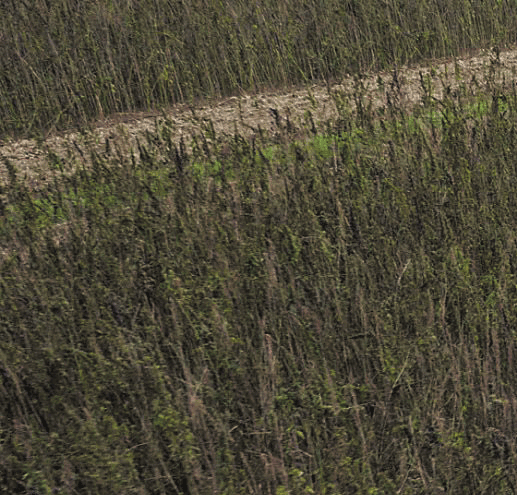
317 311
322 309
67 62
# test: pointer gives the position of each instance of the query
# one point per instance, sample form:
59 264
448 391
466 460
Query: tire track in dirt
248 113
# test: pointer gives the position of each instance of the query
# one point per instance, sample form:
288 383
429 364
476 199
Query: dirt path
247 113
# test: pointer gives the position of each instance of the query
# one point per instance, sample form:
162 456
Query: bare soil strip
249 113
